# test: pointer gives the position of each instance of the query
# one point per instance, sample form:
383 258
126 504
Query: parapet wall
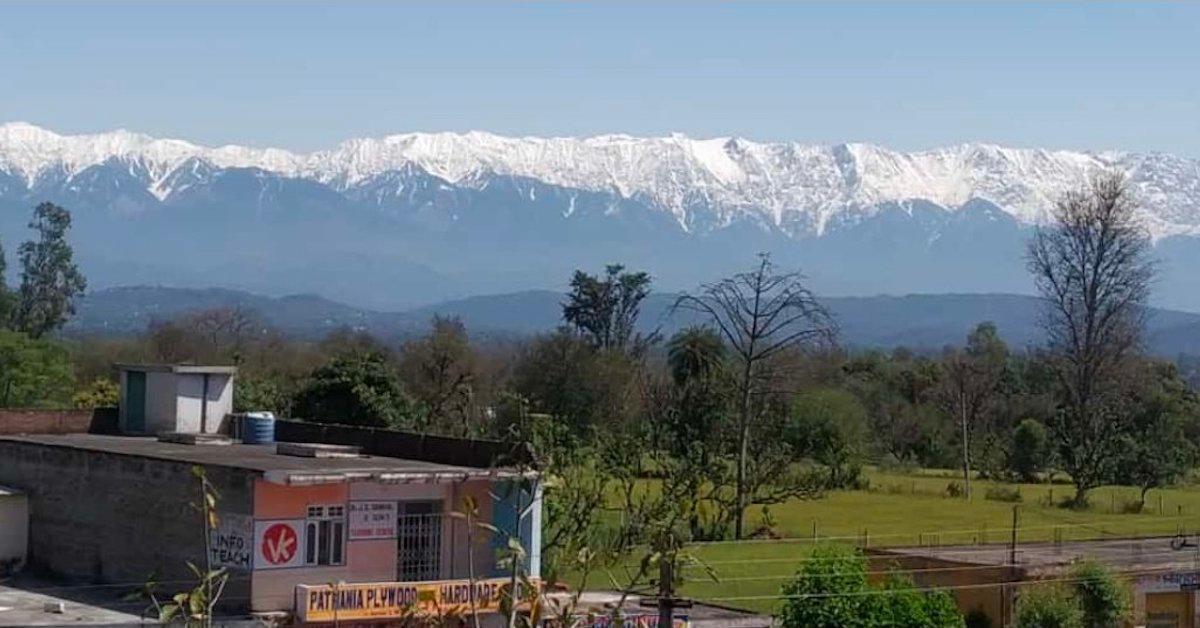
57 421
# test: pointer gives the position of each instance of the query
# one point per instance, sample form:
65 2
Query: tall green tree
605 309
50 280
439 370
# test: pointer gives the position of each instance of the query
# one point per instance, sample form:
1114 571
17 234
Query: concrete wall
14 531
109 518
974 594
190 388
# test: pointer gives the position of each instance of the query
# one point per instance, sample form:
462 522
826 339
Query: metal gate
419 536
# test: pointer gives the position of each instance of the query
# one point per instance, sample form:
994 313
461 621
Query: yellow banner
384 600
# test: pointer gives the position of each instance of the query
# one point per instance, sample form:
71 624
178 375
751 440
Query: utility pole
666 591
1012 547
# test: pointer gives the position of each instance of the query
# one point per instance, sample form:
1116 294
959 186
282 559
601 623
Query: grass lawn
913 509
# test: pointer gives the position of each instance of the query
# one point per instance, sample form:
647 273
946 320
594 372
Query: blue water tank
258 428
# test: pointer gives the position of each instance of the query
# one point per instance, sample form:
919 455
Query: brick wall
50 421
109 518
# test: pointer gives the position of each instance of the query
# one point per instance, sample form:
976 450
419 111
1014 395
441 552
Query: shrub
954 489
891 464
1048 606
1104 601
1011 494
831 591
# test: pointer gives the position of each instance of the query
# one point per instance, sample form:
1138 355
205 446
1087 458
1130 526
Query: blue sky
307 75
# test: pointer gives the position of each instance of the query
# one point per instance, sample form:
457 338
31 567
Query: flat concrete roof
1127 555
280 469
179 368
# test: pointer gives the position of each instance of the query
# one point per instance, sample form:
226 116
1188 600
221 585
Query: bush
1104 601
34 373
889 463
831 591
1011 494
954 489
1048 606
101 393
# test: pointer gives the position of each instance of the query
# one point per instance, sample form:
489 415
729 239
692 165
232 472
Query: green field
913 509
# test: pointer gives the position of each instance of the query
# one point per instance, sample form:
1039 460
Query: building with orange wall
293 517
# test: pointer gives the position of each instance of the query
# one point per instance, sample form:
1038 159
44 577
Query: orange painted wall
274 501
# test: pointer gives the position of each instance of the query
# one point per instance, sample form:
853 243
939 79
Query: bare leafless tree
968 385
760 313
1093 269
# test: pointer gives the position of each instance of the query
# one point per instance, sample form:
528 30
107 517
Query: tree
224 329
439 370
760 314
1048 606
831 590
1103 600
605 310
7 298
356 389
50 280
1156 451
830 426
1091 266
696 354
33 373
1029 450
969 385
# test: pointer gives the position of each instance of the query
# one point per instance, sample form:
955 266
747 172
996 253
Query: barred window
325 535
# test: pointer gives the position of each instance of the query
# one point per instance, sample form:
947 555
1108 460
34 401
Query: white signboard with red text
372 520
278 543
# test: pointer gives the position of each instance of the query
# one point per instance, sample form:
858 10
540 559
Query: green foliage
50 280
1030 448
831 591
356 389
830 426
1155 451
696 353
605 309
33 372
1048 606
100 393
258 392
1104 601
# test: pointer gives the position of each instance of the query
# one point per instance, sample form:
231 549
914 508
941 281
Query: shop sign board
372 520
395 600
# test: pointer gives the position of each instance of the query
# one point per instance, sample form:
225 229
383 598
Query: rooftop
276 468
178 368
1126 555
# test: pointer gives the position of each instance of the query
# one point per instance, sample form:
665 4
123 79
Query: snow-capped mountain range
799 188
444 214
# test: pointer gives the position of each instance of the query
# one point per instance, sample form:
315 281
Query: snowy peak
800 189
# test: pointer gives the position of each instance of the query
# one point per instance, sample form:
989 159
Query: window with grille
325 535
419 532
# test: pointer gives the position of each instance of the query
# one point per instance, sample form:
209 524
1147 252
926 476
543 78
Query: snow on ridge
783 183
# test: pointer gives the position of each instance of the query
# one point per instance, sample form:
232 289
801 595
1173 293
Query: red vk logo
279 544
